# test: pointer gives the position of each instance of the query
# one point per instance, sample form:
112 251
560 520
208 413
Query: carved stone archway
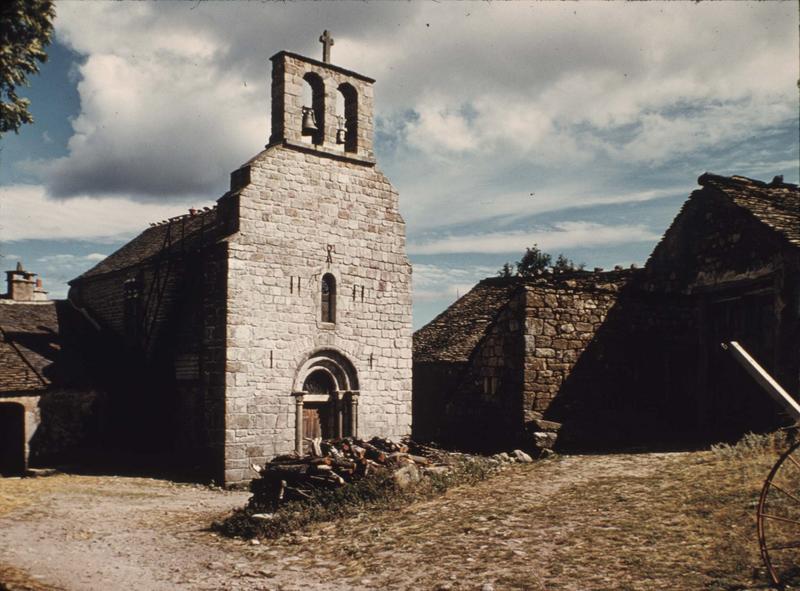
326 397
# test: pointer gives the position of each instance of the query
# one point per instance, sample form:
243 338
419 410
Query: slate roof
454 333
28 345
775 204
184 231
42 345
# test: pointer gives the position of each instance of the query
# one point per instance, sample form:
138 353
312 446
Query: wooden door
312 424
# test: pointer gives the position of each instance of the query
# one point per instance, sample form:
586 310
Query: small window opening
132 310
313 115
490 384
328 288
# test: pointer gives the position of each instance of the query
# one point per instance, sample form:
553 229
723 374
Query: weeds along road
614 522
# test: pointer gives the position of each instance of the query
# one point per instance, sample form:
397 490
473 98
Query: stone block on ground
407 475
521 456
544 440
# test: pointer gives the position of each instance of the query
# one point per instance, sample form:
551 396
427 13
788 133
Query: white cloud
28 213
70 258
434 283
457 204
562 235
175 96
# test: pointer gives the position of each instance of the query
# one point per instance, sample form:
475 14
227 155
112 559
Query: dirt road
649 521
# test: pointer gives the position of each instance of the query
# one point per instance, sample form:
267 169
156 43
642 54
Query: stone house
282 313
628 356
46 401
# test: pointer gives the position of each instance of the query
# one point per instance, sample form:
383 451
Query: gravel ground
577 523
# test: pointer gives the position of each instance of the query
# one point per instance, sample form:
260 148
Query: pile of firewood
329 464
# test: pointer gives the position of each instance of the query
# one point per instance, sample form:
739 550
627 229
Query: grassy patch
376 492
754 444
14 579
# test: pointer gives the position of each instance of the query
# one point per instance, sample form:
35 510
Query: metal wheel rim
768 552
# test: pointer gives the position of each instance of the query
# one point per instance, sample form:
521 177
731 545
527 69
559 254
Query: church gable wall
300 217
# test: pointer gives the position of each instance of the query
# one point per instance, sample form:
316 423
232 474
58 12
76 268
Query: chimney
22 287
39 294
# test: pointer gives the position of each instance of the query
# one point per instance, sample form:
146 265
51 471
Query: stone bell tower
321 107
318 311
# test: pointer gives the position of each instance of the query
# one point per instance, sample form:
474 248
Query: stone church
282 313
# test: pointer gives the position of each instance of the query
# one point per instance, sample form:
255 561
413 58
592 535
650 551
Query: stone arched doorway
326 398
12 438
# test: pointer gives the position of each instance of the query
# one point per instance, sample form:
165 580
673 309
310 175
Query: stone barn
627 357
46 401
282 313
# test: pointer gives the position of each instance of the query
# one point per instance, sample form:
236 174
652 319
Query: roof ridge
777 181
192 213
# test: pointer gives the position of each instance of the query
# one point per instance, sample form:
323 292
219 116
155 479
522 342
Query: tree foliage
534 261
26 27
507 270
563 264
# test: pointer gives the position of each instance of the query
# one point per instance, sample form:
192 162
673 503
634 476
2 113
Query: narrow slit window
328 299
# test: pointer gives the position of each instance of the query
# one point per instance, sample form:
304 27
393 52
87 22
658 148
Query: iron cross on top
327 41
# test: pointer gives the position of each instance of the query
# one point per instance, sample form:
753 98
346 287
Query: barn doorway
12 438
736 403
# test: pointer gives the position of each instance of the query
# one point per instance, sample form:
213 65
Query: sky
577 126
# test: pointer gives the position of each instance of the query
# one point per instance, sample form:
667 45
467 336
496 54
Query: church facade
281 314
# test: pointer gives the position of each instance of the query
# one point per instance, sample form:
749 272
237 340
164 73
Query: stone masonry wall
287 103
559 324
173 396
294 208
717 252
484 411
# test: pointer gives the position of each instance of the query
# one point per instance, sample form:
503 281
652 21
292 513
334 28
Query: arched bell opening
347 117
327 399
313 120
12 438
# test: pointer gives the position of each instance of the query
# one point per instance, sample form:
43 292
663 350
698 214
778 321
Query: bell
341 131
309 121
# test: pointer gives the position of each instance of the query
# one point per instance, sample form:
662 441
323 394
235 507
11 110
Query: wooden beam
766 381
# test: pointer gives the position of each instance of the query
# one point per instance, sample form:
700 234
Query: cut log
285 458
287 470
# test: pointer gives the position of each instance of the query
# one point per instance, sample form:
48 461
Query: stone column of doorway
338 400
298 422
353 413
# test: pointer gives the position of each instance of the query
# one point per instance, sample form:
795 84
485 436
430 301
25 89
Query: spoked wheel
779 519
